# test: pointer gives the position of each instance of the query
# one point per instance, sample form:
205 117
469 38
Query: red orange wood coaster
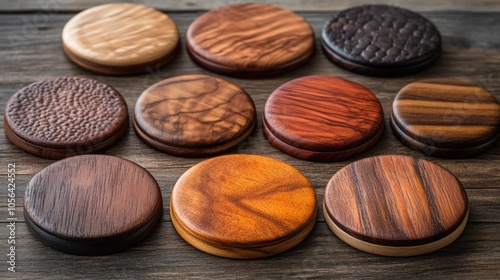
65 116
92 204
194 115
446 118
243 206
395 206
322 118
120 39
250 40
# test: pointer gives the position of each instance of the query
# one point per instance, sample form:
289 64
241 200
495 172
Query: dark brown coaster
243 206
446 118
120 39
381 40
65 116
92 204
323 118
250 40
395 206
194 115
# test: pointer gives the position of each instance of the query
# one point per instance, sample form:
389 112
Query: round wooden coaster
323 118
194 115
395 206
92 204
250 40
381 40
243 206
65 116
446 118
120 39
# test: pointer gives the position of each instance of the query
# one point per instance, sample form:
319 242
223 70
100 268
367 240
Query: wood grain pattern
194 115
446 118
323 118
65 116
243 206
92 204
32 52
250 40
396 201
119 39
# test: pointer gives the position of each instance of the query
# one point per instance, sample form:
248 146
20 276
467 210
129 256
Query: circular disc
120 39
395 205
92 204
65 116
243 206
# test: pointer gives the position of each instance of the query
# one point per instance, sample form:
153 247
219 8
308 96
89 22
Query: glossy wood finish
381 40
65 116
446 118
194 115
243 206
323 118
33 52
92 204
250 40
120 39
395 203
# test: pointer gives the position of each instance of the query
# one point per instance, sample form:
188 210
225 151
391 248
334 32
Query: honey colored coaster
120 39
323 118
395 206
92 204
381 40
243 206
446 118
65 116
250 40
194 115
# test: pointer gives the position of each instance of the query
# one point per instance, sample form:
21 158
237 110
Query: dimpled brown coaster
250 40
446 118
323 118
92 204
194 115
120 39
381 40
395 206
243 206
65 116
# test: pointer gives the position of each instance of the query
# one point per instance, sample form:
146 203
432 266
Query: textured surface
244 203
195 111
66 112
446 114
471 50
250 39
379 35
92 197
323 114
120 35
395 201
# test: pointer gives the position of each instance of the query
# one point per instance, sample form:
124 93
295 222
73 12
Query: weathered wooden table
30 50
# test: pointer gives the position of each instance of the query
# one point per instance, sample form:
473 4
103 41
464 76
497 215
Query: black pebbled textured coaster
381 40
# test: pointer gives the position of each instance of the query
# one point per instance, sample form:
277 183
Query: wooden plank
57 6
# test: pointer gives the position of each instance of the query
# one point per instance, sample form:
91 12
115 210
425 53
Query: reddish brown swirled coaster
250 40
446 118
395 206
243 206
92 204
194 115
323 118
65 116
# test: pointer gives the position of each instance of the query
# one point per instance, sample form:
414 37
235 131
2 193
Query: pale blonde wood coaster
120 39
395 206
243 206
